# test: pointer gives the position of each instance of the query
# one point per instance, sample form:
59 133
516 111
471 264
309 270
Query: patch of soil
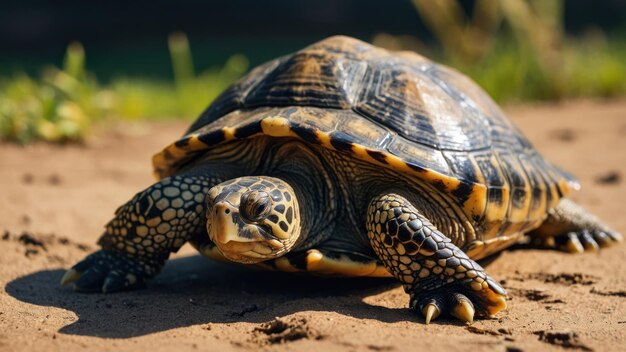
564 134
28 239
565 339
609 178
480 331
281 330
531 295
620 293
43 241
562 278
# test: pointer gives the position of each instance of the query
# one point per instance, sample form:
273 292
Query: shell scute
308 79
232 98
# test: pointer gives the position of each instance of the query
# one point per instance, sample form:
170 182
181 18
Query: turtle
345 159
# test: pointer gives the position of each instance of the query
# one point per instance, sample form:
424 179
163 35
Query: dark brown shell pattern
396 109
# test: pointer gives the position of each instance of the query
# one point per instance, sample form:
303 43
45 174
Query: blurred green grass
62 103
586 70
515 49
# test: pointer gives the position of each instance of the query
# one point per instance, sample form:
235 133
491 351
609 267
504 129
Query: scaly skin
143 233
439 277
570 228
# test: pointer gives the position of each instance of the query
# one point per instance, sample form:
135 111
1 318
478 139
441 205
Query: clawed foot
462 300
584 240
107 271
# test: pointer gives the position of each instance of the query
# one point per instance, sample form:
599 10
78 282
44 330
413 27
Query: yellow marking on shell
553 179
361 152
475 205
534 224
554 196
160 163
380 271
313 258
195 143
176 151
564 186
281 127
517 214
497 212
283 264
520 214
319 263
324 139
539 213
229 133
515 227
159 166
277 127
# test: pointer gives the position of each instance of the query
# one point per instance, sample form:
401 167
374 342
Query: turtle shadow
193 290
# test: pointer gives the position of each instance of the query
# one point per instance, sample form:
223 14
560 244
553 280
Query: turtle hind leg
439 277
570 228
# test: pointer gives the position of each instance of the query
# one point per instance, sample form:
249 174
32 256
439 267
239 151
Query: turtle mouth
250 252
238 240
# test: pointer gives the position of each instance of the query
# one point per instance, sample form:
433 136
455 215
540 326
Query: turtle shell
396 109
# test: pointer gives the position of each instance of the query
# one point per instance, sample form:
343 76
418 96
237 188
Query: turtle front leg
570 228
143 233
439 277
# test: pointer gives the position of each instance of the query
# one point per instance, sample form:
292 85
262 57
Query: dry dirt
55 199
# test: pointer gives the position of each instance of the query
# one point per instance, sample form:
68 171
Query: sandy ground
54 201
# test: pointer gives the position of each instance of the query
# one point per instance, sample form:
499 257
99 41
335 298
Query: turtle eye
255 205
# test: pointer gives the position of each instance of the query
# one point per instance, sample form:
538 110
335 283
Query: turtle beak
227 226
237 240
224 227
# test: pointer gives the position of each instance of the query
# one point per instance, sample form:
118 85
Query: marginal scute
328 263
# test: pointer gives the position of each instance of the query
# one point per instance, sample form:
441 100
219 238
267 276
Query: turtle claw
69 277
431 311
461 303
90 280
588 242
603 239
572 244
107 271
463 309
117 282
615 236
585 241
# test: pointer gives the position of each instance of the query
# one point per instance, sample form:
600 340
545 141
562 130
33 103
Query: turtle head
253 218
